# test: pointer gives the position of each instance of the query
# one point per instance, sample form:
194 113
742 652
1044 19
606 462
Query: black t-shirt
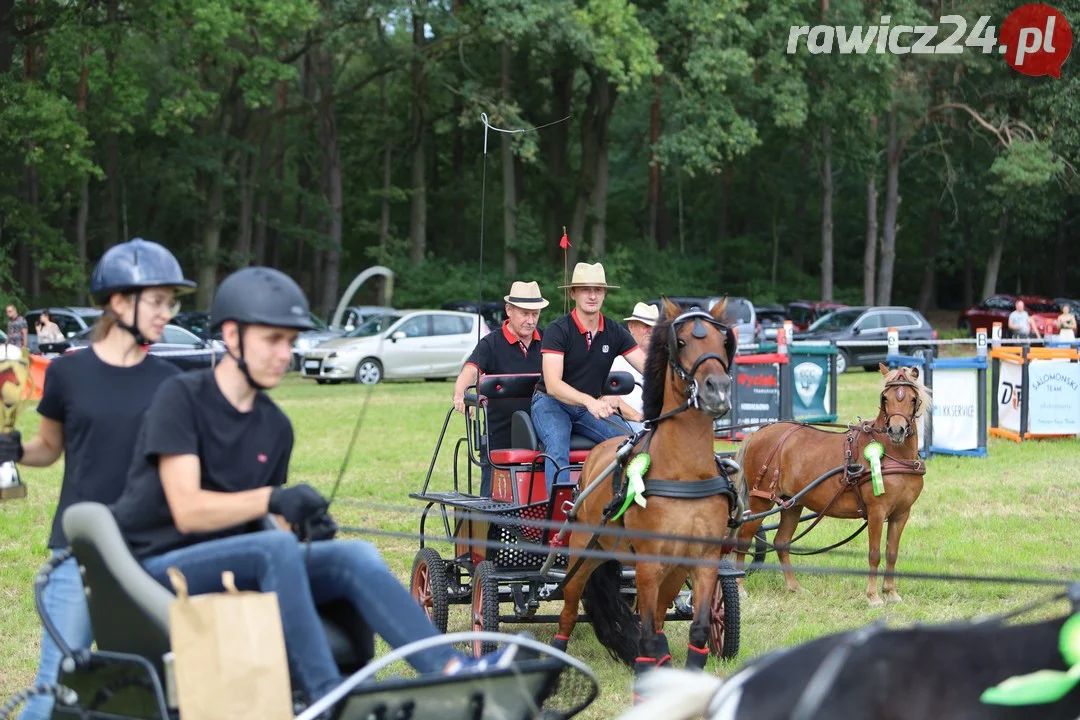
587 357
237 451
101 407
501 353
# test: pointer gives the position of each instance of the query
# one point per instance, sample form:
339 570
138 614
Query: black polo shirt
587 357
502 353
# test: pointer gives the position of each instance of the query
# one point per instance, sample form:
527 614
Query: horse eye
681 343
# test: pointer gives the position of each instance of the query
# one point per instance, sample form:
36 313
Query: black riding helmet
259 296
134 266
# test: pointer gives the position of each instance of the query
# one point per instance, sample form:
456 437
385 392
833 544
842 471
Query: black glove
11 448
297 504
320 527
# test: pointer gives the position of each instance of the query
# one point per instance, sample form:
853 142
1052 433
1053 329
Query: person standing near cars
514 351
1021 324
17 330
91 410
47 330
1066 324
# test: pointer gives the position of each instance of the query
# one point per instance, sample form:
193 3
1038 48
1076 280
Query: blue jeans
65 604
555 421
275 561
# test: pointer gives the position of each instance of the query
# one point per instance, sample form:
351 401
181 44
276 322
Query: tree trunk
388 171
211 241
83 216
7 35
870 245
599 203
722 224
418 210
892 204
928 289
993 262
1061 260
826 215
112 147
798 252
245 174
653 199
555 141
331 147
593 128
274 236
969 269
508 182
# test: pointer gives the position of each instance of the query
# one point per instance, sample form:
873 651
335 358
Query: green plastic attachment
635 471
1042 686
873 452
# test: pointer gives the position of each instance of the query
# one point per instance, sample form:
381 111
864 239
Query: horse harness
855 473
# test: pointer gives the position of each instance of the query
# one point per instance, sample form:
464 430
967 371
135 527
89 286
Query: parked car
352 319
803 313
996 308
869 324
70 320
429 344
770 318
179 346
196 322
740 313
494 312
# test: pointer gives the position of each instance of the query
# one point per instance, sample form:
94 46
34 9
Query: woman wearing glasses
91 408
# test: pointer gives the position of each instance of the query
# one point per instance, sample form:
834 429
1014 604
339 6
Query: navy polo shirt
587 357
501 353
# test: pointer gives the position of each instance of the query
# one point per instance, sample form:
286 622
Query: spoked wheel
724 617
428 586
485 606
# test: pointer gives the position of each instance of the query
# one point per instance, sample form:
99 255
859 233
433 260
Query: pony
783 459
687 384
935 671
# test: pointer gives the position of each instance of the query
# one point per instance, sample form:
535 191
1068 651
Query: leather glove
11 447
297 504
318 528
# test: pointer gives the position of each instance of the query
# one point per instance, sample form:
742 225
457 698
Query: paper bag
229 654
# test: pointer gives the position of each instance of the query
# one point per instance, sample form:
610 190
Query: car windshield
374 325
319 324
1038 307
738 309
839 320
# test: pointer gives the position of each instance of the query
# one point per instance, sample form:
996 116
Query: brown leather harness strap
771 493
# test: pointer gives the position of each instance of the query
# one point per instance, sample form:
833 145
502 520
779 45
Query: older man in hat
579 349
514 351
640 324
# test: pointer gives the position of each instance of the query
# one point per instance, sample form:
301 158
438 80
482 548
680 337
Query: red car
997 308
803 313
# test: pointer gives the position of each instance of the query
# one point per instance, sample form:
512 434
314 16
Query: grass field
1012 513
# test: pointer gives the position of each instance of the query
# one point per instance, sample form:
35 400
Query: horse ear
884 368
719 308
671 310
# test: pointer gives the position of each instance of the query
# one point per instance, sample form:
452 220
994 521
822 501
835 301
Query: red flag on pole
565 242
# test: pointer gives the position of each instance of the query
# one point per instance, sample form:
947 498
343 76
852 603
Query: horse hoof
797 589
894 597
875 602
743 594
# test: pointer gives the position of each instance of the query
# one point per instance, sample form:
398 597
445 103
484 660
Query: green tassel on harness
635 471
1042 686
873 453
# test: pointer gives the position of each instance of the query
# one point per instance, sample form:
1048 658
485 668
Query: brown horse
781 459
686 385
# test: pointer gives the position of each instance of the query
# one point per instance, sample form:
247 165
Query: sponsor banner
810 396
758 394
1008 397
956 407
1053 397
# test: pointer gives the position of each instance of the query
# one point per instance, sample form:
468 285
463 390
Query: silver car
401 344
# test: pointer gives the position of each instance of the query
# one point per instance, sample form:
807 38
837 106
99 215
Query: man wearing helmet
212 458
91 408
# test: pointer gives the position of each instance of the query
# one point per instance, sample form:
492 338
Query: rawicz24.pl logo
1035 39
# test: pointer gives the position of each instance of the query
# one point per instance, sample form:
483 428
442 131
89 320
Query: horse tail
739 478
615 624
673 695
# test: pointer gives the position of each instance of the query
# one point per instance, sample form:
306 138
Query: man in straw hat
514 351
640 324
578 350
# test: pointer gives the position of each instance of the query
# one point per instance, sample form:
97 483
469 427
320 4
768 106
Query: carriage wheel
485 605
724 618
428 586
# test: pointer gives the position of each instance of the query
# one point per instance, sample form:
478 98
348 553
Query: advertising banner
1053 397
758 393
811 392
956 420
1008 396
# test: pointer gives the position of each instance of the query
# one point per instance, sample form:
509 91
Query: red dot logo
262 458
1036 39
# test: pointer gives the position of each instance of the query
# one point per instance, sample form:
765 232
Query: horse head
903 399
700 349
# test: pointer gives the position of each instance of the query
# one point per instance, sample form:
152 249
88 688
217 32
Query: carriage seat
129 609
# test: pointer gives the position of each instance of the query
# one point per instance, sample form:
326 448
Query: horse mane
656 364
925 396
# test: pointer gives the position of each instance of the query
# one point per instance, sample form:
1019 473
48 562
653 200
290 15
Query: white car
430 344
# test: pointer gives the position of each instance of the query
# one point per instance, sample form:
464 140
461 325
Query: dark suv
869 324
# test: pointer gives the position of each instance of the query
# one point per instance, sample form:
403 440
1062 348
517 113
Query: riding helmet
261 296
134 265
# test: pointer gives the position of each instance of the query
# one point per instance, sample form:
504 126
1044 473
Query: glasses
169 306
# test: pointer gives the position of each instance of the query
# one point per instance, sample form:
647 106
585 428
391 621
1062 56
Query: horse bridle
910 419
699 318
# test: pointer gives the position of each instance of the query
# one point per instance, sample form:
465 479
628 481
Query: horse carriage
514 549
